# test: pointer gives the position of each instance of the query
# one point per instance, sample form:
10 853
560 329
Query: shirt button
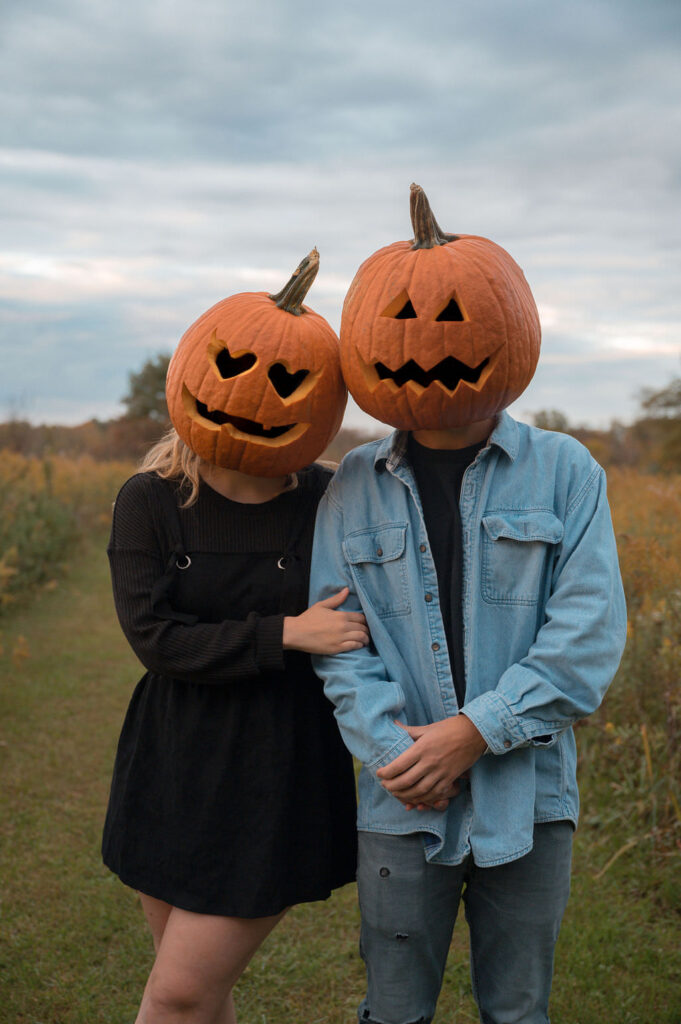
507 743
435 647
379 551
422 547
429 597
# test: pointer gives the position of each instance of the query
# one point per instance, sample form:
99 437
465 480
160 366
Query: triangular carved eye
451 311
231 366
400 308
407 312
285 383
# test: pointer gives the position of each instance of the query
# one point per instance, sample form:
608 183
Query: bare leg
157 913
199 959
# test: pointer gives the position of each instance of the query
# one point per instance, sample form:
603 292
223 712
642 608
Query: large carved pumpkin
440 331
255 383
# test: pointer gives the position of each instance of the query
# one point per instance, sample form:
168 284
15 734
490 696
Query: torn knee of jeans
401 937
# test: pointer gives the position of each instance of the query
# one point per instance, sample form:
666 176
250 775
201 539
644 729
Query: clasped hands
427 774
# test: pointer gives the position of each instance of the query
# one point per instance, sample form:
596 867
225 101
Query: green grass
73 944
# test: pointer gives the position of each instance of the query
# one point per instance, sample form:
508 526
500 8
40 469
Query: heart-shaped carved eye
285 383
232 366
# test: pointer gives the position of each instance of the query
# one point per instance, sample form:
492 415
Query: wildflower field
73 946
46 505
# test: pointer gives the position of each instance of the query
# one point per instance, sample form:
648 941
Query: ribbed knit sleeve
205 652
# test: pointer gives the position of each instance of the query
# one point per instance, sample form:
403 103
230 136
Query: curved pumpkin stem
296 288
427 232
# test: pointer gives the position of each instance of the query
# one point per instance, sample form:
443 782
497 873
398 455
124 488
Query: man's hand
425 775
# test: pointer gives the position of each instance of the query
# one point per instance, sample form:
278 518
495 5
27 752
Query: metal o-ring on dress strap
283 561
187 560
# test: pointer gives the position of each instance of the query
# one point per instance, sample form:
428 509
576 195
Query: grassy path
73 947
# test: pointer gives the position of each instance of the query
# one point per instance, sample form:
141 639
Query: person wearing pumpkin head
482 554
232 795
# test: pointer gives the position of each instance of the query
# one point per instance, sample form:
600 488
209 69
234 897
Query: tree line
652 443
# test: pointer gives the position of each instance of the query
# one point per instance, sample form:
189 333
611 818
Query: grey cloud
252 81
157 157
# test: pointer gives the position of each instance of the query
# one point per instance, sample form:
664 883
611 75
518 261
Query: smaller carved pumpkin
255 383
441 331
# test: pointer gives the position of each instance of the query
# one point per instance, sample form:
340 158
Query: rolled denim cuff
495 722
501 729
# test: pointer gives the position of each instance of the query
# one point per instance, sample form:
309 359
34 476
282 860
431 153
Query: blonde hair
172 459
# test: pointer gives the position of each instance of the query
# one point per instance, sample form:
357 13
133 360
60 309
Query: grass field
73 945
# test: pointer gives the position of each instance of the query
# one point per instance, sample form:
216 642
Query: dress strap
178 559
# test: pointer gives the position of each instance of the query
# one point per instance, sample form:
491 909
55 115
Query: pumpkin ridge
526 314
410 288
516 359
367 297
483 271
284 338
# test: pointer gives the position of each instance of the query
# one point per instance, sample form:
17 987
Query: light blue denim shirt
544 628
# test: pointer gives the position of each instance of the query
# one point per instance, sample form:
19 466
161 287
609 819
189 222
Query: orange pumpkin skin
224 396
497 338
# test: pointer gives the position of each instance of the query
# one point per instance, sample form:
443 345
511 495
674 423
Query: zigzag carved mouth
448 373
238 426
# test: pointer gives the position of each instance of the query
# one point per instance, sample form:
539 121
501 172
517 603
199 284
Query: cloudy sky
156 156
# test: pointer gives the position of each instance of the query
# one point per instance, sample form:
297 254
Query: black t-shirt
439 473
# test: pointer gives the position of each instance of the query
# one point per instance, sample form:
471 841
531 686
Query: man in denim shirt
483 557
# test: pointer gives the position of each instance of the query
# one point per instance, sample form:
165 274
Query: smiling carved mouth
448 373
242 424
238 426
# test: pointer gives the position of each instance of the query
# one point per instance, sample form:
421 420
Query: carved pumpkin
255 383
441 331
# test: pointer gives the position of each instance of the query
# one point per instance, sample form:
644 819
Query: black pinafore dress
234 799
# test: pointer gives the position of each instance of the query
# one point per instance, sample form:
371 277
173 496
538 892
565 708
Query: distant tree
146 397
666 402
662 415
551 419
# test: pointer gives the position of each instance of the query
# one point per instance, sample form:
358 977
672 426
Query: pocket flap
381 544
535 524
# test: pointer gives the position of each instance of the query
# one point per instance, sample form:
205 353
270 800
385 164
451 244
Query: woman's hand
324 630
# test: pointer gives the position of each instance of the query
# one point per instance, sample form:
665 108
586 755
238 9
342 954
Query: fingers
429 792
437 805
422 785
336 600
413 730
354 617
350 645
407 780
399 765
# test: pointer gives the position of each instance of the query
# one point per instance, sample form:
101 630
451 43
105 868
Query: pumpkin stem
427 232
296 288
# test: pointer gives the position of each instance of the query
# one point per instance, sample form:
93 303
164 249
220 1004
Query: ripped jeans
409 908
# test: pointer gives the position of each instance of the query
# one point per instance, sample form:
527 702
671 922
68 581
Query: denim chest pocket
517 546
376 556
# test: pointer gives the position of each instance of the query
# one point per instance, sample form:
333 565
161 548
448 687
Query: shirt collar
392 450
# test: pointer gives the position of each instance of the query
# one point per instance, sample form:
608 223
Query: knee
175 998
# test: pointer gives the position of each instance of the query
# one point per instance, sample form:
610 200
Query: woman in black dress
232 796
